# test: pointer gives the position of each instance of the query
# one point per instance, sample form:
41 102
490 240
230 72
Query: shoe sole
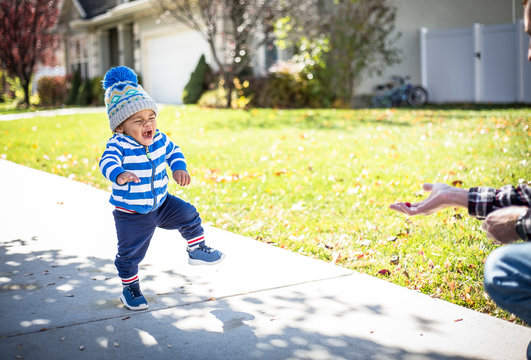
139 307
201 262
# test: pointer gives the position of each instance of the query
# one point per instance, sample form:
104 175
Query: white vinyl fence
482 64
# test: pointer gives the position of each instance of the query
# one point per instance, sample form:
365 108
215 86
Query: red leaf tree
27 37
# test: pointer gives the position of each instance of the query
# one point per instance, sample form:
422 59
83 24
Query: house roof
94 8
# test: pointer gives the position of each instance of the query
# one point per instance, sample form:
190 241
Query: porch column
423 57
121 44
136 48
477 38
520 61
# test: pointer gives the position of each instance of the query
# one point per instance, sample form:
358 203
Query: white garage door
168 62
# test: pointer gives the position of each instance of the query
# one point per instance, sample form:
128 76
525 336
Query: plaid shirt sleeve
484 200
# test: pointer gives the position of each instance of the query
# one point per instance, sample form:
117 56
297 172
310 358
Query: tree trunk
25 87
229 85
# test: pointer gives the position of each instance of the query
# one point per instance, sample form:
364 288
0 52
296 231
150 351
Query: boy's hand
126 177
181 177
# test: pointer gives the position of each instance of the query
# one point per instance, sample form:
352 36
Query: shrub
52 90
215 98
83 97
197 83
97 91
290 86
74 88
7 87
283 88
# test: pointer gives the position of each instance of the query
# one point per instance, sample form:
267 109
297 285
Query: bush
84 96
52 90
97 91
215 98
74 88
288 86
197 84
8 86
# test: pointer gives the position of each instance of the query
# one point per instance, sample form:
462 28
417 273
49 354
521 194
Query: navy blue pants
136 230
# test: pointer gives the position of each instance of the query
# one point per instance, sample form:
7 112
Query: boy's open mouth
147 134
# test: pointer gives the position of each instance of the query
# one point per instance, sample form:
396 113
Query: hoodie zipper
152 177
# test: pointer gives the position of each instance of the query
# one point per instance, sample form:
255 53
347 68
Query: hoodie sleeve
111 160
174 156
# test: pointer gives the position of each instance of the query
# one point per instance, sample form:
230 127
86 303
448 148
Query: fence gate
484 64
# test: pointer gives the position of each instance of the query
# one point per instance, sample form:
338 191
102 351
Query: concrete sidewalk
53 112
59 295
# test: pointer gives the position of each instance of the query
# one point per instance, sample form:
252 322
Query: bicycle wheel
417 96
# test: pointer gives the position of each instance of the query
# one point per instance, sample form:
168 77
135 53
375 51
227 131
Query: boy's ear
119 129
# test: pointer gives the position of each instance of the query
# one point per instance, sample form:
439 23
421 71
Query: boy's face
140 126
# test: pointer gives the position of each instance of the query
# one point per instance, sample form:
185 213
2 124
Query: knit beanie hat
124 96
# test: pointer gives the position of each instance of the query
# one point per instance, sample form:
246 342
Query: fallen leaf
452 284
50 284
457 183
211 299
168 345
116 344
69 295
127 317
395 260
384 272
82 347
457 320
392 238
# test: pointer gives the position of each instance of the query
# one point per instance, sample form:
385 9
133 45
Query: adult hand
500 224
181 177
441 196
126 177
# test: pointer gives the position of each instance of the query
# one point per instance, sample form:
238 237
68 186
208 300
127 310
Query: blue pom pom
118 74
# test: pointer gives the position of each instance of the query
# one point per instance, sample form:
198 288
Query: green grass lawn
319 182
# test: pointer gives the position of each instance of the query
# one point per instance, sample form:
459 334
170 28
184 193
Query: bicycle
398 91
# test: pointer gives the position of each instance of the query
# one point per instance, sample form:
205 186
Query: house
101 34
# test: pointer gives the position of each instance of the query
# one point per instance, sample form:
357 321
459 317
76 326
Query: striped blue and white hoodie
123 153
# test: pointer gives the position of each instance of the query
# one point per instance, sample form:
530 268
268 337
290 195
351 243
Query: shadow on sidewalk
57 306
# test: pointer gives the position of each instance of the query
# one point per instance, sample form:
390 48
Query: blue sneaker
132 298
204 255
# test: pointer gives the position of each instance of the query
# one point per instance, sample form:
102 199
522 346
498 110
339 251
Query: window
78 55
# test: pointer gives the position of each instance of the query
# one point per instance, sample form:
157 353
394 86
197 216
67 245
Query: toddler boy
135 161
